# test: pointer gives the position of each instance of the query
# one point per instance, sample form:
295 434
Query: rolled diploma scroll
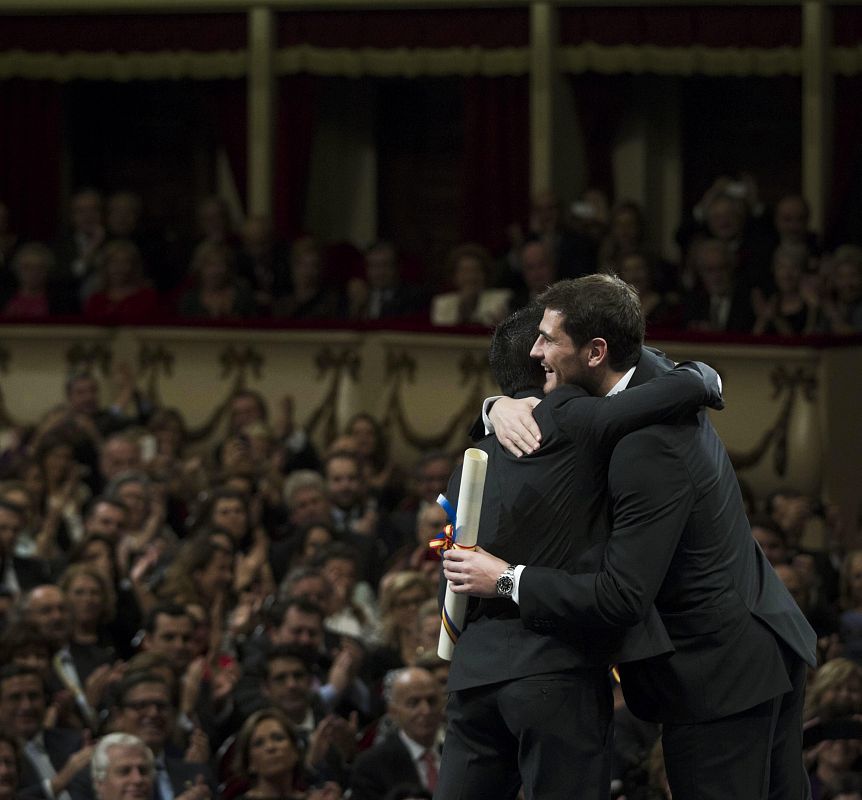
466 533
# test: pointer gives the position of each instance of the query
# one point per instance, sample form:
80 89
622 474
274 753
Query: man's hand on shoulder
514 425
473 572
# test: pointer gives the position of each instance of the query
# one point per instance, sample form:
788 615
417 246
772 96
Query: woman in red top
126 293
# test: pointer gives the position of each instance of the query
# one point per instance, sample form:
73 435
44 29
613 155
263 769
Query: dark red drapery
297 104
601 102
496 158
30 155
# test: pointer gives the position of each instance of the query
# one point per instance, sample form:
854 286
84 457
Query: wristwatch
506 582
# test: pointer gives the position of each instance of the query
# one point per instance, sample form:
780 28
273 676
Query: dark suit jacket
682 543
60 744
383 767
549 509
31 572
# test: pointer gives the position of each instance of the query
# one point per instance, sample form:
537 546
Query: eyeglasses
139 706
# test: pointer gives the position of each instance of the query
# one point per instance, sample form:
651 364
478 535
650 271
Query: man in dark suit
532 704
409 755
730 696
52 756
17 574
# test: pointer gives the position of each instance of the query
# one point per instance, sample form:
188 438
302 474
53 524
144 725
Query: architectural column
817 108
544 36
261 109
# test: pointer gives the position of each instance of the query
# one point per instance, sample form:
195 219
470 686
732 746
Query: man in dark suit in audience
52 756
409 755
730 696
532 703
17 574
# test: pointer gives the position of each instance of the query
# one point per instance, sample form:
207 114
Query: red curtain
601 102
30 155
496 160
230 98
297 104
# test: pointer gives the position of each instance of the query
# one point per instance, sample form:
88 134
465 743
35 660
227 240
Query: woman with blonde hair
91 601
401 596
217 292
836 687
850 621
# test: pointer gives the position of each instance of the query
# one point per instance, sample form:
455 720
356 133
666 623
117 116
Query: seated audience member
660 310
122 768
268 753
128 406
851 604
788 311
719 302
834 760
382 475
429 480
417 555
310 295
217 292
52 756
410 754
304 493
92 605
125 294
537 272
626 235
843 306
472 302
835 689
34 295
168 632
731 213
144 708
791 218
770 536
77 252
402 594
263 262
381 294
348 613
11 766
18 574
201 573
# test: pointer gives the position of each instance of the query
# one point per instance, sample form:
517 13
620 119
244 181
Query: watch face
505 585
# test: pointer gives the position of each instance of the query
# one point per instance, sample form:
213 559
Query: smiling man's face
562 360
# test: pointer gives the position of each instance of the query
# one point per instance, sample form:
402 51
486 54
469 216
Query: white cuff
486 408
517 580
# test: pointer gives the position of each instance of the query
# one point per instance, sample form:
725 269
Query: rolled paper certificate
466 533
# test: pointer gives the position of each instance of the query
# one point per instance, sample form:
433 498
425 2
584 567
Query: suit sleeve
679 391
652 496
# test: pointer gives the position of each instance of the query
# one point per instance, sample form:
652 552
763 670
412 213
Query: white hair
101 758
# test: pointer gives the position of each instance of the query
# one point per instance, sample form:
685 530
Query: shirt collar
622 383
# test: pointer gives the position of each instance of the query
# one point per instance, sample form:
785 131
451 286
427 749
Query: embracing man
531 703
729 696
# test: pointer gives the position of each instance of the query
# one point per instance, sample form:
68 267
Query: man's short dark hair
21 670
603 307
134 680
509 354
168 609
282 651
279 610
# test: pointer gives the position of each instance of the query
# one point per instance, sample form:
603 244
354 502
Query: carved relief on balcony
401 370
338 366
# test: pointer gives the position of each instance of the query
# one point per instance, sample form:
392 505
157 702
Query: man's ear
598 353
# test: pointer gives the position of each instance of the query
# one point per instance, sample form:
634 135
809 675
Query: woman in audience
836 686
789 311
92 604
126 294
850 628
843 306
269 753
660 311
310 296
401 597
10 766
381 474
35 297
217 292
472 302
